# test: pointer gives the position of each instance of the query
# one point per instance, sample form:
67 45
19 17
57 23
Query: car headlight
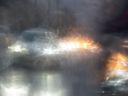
18 48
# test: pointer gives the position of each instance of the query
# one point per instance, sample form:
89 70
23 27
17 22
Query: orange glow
118 62
79 43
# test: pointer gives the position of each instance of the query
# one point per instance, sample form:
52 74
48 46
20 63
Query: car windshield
35 36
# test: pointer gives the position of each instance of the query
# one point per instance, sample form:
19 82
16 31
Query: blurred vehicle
34 48
116 76
40 48
116 73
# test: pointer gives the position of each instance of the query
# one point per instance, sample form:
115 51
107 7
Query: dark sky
120 24
2 2
117 25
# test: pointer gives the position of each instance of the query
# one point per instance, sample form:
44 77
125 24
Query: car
34 48
41 48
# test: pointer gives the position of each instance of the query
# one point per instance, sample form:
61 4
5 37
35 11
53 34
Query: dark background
118 24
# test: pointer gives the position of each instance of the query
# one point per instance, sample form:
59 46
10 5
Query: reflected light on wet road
51 84
13 84
14 90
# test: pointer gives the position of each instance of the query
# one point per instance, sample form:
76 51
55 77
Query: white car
40 47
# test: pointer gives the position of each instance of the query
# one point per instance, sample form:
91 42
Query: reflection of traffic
16 83
13 83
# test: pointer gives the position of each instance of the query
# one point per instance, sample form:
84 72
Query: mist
80 73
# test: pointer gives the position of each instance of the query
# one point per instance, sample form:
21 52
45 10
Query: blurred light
78 44
69 46
125 44
17 48
125 41
117 70
13 83
50 51
46 93
14 90
117 65
51 85
72 46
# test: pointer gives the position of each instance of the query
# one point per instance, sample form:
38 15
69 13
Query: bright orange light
117 63
77 43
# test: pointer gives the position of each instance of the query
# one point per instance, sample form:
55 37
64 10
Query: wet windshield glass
63 48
